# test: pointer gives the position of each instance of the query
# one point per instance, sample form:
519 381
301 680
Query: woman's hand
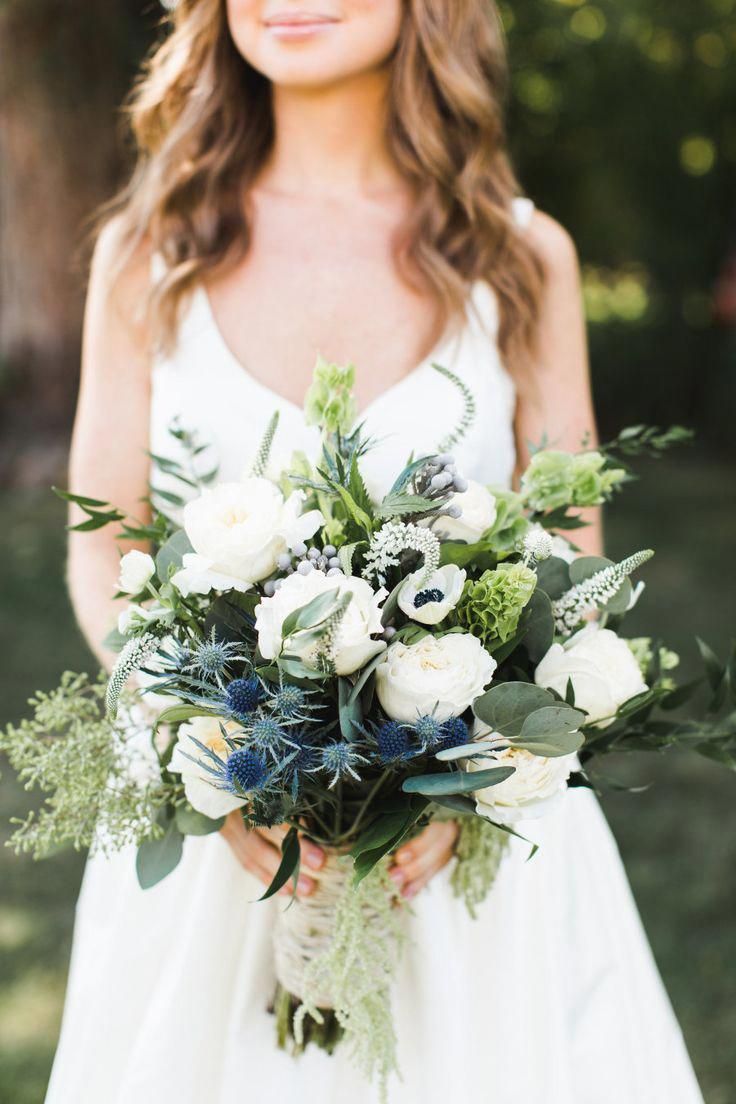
258 850
419 860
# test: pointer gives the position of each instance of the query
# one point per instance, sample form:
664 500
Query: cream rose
603 672
199 783
536 785
238 531
478 508
440 676
353 646
429 600
136 571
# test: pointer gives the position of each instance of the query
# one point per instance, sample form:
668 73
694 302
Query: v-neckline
434 354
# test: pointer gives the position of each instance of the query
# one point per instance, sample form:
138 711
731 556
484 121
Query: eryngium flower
491 606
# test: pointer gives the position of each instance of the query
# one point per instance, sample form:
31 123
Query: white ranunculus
354 645
238 531
201 794
440 676
478 507
136 571
536 785
447 581
603 671
134 616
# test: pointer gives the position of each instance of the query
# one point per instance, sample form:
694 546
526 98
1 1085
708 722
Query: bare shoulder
120 275
553 245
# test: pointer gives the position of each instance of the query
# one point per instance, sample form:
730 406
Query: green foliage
357 970
480 848
490 607
70 750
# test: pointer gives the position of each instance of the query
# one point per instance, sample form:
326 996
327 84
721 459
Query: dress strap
522 210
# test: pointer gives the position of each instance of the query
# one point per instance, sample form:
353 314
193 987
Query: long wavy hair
202 121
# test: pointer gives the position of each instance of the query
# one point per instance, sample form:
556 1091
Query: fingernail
410 891
306 885
313 857
397 876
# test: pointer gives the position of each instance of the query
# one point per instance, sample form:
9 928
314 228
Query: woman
330 175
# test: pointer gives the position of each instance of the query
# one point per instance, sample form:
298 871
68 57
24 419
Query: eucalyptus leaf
553 576
505 707
311 614
192 823
538 625
455 782
158 857
552 731
171 555
174 714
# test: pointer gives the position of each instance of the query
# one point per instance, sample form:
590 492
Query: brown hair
202 121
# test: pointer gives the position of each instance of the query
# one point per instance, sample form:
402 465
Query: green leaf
367 860
115 641
553 577
192 823
456 802
552 731
356 512
289 865
311 614
538 624
346 554
713 667
171 554
505 707
455 782
382 830
81 500
350 712
174 714
395 505
158 857
406 475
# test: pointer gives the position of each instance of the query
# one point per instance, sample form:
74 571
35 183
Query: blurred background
623 125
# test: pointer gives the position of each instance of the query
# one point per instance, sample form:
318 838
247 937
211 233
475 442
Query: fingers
259 852
418 861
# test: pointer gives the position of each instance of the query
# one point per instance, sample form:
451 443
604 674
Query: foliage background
623 123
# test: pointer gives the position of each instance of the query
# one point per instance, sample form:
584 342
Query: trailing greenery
69 749
479 849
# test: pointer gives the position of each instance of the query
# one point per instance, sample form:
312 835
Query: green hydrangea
490 607
511 524
555 479
330 403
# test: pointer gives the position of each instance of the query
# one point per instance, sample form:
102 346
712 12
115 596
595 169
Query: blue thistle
289 701
428 730
454 733
268 735
246 771
243 695
393 742
211 657
431 594
339 758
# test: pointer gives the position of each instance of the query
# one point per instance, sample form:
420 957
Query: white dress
551 996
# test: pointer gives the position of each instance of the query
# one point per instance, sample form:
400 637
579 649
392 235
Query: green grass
678 839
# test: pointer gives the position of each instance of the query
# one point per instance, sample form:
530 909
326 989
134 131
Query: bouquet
352 668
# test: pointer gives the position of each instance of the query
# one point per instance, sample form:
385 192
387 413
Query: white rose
136 571
440 676
478 507
353 645
603 671
536 785
202 794
238 531
438 594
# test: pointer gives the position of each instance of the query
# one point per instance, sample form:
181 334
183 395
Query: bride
331 176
